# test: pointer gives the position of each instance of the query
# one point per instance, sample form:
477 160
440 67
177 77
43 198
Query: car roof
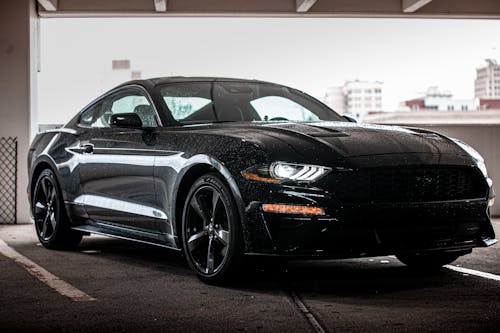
177 79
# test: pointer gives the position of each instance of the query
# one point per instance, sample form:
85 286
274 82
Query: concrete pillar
18 61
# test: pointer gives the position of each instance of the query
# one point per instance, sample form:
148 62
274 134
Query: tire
51 223
431 261
211 231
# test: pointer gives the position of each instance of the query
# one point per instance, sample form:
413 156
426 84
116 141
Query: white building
355 98
442 100
487 83
335 99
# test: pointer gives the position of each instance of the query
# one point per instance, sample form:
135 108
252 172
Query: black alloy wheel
211 230
52 226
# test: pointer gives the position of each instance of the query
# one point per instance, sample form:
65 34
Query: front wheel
211 231
430 261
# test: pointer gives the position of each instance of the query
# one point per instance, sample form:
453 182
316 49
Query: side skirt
105 229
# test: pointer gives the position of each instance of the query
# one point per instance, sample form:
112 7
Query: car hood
345 139
350 140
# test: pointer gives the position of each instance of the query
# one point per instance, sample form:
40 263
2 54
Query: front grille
410 184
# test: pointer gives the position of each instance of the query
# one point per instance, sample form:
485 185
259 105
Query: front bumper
370 229
375 205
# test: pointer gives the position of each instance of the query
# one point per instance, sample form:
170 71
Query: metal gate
8 179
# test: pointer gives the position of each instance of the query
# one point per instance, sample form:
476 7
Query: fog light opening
291 209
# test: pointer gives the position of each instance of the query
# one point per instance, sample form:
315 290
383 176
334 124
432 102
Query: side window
281 108
87 117
125 101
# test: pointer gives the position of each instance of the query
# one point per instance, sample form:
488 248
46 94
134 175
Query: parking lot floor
133 286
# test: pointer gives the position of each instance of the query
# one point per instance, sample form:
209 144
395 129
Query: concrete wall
17 36
485 139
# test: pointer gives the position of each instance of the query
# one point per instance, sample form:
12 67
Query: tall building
355 98
487 83
363 96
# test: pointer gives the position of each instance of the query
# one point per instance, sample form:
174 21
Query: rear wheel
430 261
52 225
211 232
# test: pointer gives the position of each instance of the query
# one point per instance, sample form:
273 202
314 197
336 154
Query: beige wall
485 139
17 23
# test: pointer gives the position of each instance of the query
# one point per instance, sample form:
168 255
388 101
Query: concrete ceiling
272 8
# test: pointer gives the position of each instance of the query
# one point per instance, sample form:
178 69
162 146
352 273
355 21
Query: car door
116 164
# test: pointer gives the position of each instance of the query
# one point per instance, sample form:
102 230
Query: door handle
87 148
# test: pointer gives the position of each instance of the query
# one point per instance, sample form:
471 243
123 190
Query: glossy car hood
346 139
351 140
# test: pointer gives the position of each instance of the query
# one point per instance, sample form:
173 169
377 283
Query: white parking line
62 287
474 272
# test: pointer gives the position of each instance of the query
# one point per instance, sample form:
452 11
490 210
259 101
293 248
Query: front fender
196 166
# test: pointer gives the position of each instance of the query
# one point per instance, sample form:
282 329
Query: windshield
221 101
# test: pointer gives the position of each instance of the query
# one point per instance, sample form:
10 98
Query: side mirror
350 118
126 120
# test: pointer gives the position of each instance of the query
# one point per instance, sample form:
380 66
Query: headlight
283 171
475 155
298 172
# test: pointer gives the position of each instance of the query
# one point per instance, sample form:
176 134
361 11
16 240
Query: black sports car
222 168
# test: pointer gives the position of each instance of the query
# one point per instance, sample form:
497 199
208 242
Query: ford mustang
223 169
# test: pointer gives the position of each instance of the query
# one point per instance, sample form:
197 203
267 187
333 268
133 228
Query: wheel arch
42 164
197 167
39 166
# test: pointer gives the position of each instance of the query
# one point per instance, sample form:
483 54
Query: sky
311 54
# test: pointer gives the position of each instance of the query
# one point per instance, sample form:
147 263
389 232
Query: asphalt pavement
136 287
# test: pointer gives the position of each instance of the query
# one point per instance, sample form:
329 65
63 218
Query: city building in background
433 117
335 99
355 98
489 103
487 83
439 107
122 64
136 75
121 71
441 100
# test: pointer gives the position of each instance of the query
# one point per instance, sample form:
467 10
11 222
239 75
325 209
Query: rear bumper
359 230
